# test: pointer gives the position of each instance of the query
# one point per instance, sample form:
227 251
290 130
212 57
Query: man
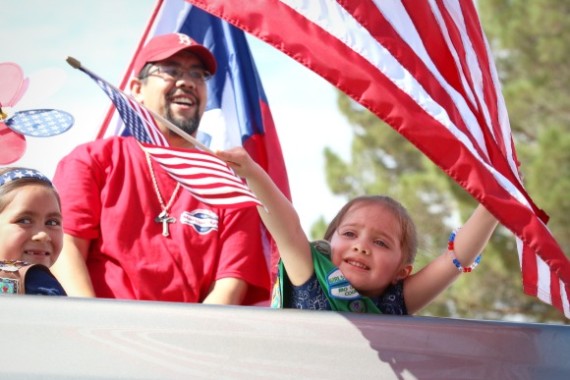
131 231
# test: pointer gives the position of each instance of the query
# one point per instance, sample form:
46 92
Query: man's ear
404 272
135 86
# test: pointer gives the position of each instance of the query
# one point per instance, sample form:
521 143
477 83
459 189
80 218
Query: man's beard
188 125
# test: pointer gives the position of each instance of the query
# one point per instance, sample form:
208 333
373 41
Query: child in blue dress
366 259
31 235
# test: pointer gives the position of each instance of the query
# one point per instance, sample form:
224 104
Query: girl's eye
24 221
53 223
348 234
381 243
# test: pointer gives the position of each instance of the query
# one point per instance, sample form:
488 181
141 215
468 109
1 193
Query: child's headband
16 174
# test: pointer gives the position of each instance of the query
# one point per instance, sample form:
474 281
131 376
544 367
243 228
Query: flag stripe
425 69
529 267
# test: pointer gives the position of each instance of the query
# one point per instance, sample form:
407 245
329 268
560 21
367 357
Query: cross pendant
165 219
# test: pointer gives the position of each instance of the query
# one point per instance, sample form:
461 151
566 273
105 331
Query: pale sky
103 34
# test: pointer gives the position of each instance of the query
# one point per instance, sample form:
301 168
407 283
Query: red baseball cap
166 45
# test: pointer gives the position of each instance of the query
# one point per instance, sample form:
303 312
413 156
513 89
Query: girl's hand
239 160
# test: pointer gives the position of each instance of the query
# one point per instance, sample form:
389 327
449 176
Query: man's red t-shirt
108 197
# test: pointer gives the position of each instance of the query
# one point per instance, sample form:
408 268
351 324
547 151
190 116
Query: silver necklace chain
163 217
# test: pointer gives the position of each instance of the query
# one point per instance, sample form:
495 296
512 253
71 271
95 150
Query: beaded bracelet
451 249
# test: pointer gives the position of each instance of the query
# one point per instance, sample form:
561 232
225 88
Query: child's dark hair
408 240
12 178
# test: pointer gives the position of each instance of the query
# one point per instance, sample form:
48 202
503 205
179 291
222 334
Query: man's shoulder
108 142
97 156
106 147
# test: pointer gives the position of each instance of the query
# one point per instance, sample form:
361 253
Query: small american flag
208 178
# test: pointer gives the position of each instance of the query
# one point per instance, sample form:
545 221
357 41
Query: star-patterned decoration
40 123
35 123
16 174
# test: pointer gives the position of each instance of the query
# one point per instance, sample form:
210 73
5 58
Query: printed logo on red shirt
202 220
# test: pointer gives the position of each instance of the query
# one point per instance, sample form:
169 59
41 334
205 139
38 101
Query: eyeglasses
175 73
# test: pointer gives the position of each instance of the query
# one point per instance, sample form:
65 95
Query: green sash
340 294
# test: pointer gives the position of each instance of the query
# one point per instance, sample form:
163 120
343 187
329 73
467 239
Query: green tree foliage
530 40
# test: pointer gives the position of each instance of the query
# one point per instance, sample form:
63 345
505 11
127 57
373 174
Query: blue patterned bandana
16 174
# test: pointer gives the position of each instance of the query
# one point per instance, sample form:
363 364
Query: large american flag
424 67
207 177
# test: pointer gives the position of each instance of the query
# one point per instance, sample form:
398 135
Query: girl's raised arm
278 215
466 244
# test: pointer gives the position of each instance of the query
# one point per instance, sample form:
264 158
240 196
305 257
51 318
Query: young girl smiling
31 236
365 262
